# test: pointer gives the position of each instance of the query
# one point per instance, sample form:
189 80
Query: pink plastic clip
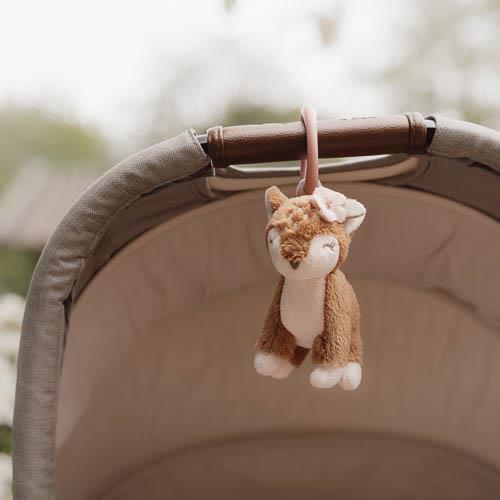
309 175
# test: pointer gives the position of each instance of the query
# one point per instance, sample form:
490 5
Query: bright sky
105 60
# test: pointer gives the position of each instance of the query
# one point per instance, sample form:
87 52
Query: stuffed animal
314 306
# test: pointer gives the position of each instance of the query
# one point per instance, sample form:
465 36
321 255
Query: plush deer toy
314 307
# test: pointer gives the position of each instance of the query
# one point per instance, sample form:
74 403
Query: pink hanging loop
309 174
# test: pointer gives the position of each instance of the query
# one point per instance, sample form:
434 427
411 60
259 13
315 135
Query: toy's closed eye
330 245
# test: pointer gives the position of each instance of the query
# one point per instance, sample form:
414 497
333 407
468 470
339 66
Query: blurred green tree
28 134
33 134
241 113
16 268
5 439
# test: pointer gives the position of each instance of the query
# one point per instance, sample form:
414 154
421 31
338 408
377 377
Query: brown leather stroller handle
337 138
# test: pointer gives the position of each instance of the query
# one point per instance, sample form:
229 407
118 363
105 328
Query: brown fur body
340 341
298 221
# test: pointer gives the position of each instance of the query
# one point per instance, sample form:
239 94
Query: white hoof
325 378
284 370
266 363
351 377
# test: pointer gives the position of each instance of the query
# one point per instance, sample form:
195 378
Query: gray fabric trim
59 268
458 139
459 180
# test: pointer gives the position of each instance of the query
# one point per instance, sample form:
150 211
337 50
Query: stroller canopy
135 372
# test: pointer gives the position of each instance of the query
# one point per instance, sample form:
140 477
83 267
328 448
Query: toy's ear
274 199
355 216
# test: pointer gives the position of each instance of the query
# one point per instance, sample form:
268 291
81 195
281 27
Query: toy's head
308 236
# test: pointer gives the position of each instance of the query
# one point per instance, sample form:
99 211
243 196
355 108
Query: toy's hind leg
288 366
299 355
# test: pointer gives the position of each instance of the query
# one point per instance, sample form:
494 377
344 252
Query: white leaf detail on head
356 213
331 204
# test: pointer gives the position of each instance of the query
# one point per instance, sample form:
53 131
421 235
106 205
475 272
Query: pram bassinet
144 308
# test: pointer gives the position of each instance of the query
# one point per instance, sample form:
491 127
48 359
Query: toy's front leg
338 350
330 351
339 360
278 355
277 351
351 378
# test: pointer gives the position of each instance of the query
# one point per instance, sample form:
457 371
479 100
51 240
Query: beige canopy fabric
426 267
458 139
171 371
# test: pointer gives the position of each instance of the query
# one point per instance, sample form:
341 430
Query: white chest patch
302 309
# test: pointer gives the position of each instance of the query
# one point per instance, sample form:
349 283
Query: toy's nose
295 264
